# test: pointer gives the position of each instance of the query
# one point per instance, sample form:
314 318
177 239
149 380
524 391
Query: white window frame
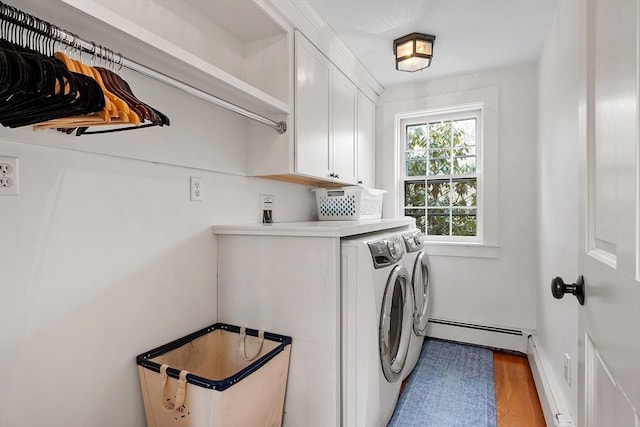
470 111
392 152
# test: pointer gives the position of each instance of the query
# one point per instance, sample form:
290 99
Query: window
425 185
441 173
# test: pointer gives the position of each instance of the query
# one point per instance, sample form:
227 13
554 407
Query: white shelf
183 40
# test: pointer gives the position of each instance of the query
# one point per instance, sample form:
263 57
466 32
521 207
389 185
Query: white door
609 320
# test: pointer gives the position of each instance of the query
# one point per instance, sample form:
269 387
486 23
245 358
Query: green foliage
463 222
414 193
438 222
440 149
438 192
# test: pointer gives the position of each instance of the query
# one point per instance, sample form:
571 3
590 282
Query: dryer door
395 323
421 290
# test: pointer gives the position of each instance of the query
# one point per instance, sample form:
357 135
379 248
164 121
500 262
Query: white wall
104 257
558 172
498 291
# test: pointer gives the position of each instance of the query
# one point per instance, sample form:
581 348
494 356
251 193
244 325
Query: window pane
416 168
439 167
463 192
440 135
464 165
416 155
438 193
465 150
418 214
438 222
464 132
414 194
416 137
463 222
440 153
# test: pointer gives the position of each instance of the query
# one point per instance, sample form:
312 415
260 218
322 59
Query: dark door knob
559 288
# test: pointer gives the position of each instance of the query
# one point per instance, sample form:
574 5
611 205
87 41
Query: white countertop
315 228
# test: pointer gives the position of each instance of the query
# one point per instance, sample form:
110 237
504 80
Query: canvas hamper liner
222 375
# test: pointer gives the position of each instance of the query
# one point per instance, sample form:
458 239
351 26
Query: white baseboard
553 404
487 336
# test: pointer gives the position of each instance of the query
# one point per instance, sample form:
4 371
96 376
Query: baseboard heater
494 337
474 326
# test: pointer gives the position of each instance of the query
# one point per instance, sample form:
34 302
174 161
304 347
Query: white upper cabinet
332 140
343 108
325 117
313 72
366 140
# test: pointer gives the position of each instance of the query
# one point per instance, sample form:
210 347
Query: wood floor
517 403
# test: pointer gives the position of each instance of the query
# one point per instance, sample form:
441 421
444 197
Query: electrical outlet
196 189
567 368
267 203
5 168
8 176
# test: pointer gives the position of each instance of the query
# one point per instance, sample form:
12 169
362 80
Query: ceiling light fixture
413 52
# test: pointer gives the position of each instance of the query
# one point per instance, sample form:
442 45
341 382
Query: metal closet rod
72 40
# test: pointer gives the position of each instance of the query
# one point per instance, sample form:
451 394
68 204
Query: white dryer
416 261
377 308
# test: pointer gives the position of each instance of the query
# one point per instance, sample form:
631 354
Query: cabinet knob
332 175
337 176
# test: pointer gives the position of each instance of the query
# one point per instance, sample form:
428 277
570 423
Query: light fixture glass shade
413 64
413 52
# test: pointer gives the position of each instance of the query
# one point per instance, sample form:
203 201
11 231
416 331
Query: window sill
462 249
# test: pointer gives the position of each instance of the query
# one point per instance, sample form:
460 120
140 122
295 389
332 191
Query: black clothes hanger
56 93
39 89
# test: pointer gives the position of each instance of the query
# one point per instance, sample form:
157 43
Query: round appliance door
421 289
395 323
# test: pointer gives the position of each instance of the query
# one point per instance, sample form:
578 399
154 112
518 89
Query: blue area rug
452 385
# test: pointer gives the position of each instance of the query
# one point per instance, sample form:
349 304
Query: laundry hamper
222 375
351 203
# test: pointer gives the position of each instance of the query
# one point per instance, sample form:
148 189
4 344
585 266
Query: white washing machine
416 261
377 320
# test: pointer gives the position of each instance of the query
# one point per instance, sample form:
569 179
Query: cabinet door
312 110
343 106
366 140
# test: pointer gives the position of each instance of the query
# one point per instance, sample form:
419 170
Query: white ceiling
471 35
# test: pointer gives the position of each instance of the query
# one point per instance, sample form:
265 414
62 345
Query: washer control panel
414 241
386 252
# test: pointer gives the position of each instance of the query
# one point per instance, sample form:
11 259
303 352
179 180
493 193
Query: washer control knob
393 249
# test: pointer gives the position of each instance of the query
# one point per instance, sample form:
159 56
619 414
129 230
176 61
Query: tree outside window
440 175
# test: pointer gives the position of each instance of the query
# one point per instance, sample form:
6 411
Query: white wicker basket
349 203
